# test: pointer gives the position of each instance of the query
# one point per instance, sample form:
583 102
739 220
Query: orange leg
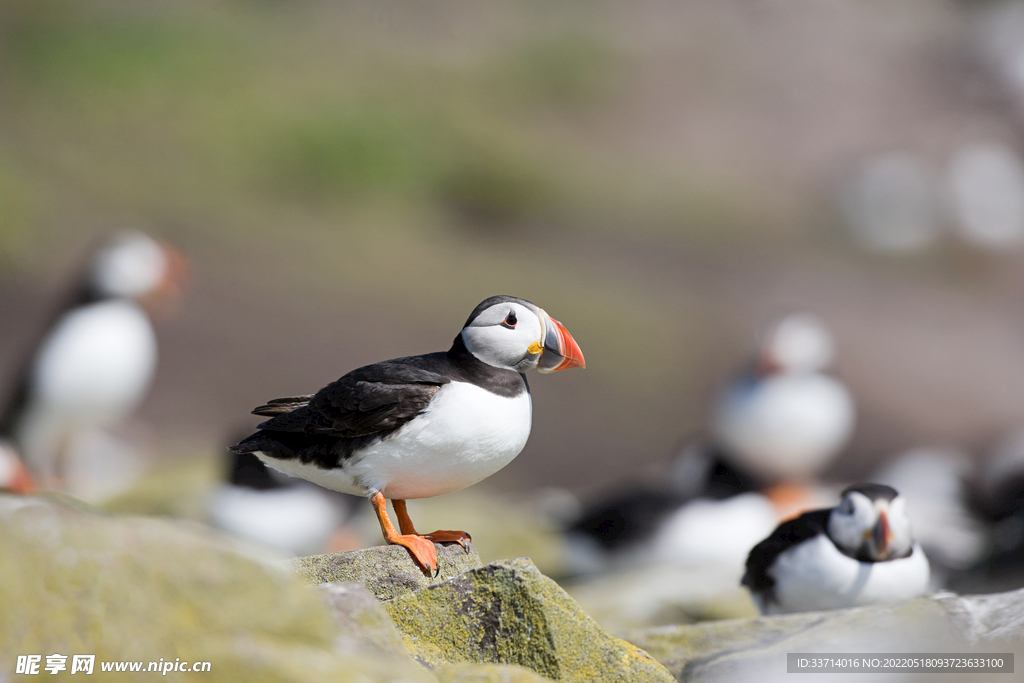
442 536
422 550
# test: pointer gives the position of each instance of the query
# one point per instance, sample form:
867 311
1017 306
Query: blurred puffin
785 420
94 362
774 428
265 506
860 552
420 426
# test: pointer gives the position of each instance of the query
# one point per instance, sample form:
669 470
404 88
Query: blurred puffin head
800 342
870 524
132 265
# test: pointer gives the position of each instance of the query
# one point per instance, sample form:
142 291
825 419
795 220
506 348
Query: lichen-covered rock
487 673
509 613
740 648
387 571
141 589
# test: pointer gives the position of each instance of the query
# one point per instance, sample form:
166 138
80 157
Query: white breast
465 435
814 575
98 362
718 532
787 426
92 371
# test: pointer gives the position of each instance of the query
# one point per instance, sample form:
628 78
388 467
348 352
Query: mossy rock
141 589
387 571
509 613
487 673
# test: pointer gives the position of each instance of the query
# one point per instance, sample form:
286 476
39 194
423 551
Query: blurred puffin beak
163 301
17 477
559 350
178 272
881 534
22 482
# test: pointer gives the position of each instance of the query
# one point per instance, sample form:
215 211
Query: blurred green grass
172 108
333 151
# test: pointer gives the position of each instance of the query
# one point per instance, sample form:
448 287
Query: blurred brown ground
660 177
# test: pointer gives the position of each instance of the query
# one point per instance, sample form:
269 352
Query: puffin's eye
510 320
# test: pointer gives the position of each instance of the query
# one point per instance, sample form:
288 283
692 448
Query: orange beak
178 272
560 350
882 535
17 479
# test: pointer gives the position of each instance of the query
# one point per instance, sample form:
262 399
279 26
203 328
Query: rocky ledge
124 588
505 613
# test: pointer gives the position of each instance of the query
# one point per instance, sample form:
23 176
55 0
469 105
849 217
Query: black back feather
786 535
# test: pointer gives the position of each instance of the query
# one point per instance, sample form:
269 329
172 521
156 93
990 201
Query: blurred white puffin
775 427
860 552
786 419
95 361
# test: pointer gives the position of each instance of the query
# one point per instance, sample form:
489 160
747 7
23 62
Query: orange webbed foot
423 552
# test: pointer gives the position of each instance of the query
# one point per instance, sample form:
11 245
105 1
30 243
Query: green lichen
387 571
487 673
510 613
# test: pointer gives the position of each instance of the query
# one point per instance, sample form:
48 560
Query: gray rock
987 618
740 648
387 571
364 626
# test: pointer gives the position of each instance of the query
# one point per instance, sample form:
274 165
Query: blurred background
348 180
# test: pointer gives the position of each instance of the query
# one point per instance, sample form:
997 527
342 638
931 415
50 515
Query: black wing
368 403
280 406
81 294
785 536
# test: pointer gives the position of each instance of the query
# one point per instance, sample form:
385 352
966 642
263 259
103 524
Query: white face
506 335
856 526
132 265
799 343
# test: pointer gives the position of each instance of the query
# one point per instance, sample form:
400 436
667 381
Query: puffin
95 360
774 427
785 419
420 426
860 552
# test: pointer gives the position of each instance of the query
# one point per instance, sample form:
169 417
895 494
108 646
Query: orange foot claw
443 536
422 550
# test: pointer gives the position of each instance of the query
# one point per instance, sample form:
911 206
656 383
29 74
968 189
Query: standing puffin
95 361
785 419
860 552
420 426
